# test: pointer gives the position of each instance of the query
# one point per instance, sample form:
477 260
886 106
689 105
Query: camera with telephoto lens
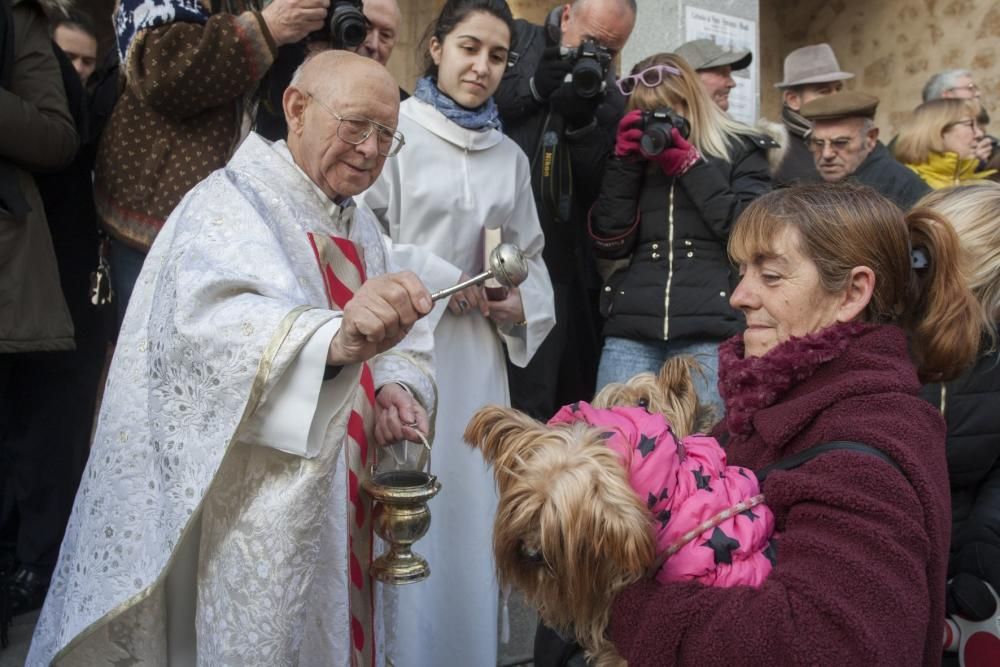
590 66
656 130
346 26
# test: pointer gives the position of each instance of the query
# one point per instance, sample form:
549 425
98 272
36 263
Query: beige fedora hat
815 63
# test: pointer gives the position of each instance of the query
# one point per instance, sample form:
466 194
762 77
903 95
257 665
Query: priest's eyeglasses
356 130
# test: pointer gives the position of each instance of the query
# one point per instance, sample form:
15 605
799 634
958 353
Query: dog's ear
506 438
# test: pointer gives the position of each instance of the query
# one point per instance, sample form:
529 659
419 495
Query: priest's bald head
342 111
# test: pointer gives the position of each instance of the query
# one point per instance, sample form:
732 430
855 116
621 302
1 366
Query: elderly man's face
795 98
607 22
718 81
965 88
338 167
384 19
840 146
79 47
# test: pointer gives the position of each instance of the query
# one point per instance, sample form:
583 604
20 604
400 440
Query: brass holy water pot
401 517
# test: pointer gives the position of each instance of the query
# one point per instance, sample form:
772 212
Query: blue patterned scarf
136 15
484 117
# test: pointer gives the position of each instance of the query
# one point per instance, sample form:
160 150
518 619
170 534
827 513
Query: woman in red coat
849 305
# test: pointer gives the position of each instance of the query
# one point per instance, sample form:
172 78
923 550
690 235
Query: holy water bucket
401 517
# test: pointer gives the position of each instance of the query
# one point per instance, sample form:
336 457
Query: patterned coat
179 116
686 486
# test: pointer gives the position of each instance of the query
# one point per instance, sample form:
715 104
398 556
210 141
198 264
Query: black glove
550 73
576 111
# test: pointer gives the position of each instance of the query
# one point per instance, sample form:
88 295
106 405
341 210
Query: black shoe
26 591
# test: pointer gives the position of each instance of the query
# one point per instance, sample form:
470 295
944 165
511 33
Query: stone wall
892 46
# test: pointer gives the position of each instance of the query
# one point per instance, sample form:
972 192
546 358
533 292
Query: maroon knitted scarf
749 384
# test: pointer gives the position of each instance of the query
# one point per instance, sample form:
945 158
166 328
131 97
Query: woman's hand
469 300
680 157
398 416
629 134
508 312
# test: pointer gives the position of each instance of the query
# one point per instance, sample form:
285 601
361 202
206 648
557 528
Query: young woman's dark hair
453 13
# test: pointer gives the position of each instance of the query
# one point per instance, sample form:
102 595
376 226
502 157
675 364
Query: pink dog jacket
693 496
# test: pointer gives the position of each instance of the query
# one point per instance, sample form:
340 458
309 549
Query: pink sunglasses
650 77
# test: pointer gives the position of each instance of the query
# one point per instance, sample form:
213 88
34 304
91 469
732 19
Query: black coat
971 411
891 179
631 219
577 171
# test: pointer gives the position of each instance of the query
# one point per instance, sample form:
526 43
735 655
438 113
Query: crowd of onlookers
637 181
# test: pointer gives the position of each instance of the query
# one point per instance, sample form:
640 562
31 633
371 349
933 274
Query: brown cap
845 104
706 54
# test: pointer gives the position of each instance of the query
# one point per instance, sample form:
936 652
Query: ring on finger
463 305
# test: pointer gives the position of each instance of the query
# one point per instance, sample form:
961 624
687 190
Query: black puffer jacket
970 409
678 278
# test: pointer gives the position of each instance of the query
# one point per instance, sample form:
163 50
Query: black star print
650 501
749 514
646 445
663 517
743 473
722 546
607 434
701 479
574 407
663 494
771 553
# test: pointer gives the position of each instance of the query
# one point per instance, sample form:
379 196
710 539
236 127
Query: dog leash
704 526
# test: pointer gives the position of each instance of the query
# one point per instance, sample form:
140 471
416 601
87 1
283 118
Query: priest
267 350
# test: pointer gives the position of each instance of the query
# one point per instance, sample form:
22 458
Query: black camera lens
656 138
588 77
348 27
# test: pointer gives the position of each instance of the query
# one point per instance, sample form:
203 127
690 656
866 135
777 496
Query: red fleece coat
863 548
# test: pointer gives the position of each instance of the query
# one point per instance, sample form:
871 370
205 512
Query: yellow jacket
944 169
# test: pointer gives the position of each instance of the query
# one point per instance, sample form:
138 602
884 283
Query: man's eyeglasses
356 131
650 77
839 144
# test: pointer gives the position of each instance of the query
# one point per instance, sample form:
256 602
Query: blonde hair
712 131
923 133
974 211
842 226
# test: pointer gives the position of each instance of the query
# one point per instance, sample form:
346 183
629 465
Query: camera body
590 67
346 26
656 130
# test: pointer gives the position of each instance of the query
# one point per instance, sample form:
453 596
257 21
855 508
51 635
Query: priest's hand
509 312
378 316
398 415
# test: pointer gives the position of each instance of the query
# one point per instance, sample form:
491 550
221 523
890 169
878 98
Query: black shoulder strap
795 460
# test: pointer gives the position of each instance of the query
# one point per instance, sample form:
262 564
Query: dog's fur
570 532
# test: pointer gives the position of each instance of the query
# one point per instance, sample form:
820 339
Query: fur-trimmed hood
779 133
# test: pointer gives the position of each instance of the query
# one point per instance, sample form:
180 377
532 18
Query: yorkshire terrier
614 490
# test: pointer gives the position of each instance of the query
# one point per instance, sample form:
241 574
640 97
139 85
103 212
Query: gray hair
943 81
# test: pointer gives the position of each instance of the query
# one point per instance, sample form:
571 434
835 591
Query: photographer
188 74
558 102
682 173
